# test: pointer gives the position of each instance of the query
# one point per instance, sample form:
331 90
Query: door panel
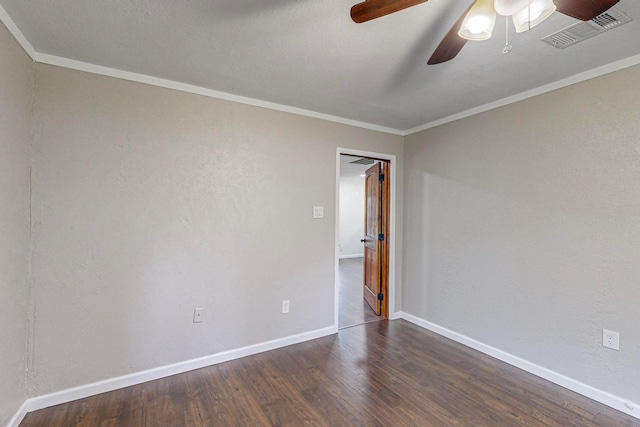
373 229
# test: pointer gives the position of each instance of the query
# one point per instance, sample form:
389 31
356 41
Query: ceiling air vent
363 162
586 29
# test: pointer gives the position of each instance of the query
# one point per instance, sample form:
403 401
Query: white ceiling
348 169
308 54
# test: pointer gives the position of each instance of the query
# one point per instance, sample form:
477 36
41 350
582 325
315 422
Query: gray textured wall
150 202
16 94
523 229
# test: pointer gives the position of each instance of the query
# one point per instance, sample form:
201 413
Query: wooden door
375 240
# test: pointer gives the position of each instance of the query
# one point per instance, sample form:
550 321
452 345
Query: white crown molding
170 84
578 78
59 61
64 396
17 34
603 397
184 87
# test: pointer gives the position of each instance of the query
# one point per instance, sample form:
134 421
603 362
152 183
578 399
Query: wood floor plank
235 404
386 373
494 378
461 401
280 402
330 401
484 383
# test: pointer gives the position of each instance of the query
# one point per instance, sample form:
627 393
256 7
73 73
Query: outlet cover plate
611 339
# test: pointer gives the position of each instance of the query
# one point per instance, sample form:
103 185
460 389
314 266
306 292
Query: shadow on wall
522 221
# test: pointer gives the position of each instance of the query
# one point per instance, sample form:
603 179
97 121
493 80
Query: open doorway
363 239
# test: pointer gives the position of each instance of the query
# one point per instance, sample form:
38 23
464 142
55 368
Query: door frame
393 165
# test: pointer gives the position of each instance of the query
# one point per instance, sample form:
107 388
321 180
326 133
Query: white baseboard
603 397
64 396
395 315
351 256
17 418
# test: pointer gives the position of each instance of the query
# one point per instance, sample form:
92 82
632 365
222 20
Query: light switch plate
318 211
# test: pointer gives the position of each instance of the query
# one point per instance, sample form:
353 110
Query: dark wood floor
352 308
386 373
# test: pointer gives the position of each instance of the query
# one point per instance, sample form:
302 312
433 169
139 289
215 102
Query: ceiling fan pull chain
507 47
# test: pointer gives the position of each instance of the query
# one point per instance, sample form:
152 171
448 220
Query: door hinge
381 237
380 297
381 177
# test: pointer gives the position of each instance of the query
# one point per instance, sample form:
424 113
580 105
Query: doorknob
363 240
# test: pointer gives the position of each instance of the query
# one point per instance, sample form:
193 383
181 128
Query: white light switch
318 211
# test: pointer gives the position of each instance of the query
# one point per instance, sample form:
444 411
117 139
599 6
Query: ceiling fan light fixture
535 13
479 22
510 7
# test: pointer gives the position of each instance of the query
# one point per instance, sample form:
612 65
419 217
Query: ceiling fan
477 22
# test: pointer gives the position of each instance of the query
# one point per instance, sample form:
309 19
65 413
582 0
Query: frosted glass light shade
538 11
510 7
479 22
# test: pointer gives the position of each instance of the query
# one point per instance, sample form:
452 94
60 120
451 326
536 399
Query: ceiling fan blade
584 10
372 9
451 44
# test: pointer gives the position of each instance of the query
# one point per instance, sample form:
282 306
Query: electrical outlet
285 306
197 315
611 339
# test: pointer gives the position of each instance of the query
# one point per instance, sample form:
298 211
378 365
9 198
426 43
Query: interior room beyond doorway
353 309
